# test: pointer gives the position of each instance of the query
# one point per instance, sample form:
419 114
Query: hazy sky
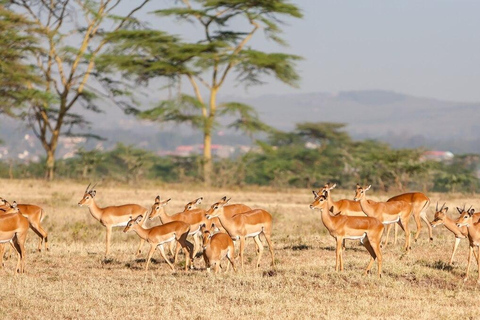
427 48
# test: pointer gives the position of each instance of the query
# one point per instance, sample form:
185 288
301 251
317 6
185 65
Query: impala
441 218
162 234
216 247
195 218
112 216
420 203
346 206
466 220
14 228
245 225
35 215
366 229
387 212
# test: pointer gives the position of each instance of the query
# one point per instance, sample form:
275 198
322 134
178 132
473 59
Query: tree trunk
207 159
49 174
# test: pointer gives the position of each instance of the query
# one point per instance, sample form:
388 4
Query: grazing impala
466 220
366 229
459 232
216 247
35 215
420 203
387 212
112 216
245 225
14 228
165 233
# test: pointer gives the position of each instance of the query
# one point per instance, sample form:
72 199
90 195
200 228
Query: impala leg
187 248
478 264
162 252
267 235
395 234
19 243
196 242
455 246
140 245
423 215
2 252
177 250
387 235
173 246
217 266
42 234
230 257
470 250
108 237
368 246
338 254
150 254
418 223
403 223
242 246
259 248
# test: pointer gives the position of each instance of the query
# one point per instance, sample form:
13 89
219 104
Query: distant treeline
309 156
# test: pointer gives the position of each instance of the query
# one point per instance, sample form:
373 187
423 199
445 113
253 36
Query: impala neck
142 233
226 221
451 225
164 218
367 207
327 220
95 210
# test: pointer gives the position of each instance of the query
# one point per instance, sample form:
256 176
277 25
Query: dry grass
73 281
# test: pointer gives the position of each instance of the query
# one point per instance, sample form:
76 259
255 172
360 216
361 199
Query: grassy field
74 281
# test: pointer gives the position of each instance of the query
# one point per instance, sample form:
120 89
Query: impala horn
86 190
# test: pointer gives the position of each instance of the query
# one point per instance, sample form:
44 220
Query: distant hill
399 119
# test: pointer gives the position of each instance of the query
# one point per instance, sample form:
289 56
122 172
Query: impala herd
214 230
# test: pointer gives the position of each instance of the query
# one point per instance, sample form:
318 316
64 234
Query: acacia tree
17 40
219 51
71 34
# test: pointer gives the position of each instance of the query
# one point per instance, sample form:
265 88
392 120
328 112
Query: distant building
440 156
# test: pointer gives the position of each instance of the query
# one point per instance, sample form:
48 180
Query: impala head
10 208
207 233
465 218
319 202
360 192
440 215
88 196
132 222
326 189
157 207
217 208
191 205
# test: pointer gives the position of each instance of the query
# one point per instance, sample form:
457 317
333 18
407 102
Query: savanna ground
74 281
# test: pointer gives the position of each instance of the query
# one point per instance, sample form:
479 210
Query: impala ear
203 225
93 193
459 210
471 212
138 219
331 209
228 200
224 198
445 209
166 202
368 188
199 200
333 187
14 205
157 199
315 194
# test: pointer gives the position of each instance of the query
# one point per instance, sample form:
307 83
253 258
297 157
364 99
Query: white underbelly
356 237
167 240
121 224
191 233
253 234
5 241
392 221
